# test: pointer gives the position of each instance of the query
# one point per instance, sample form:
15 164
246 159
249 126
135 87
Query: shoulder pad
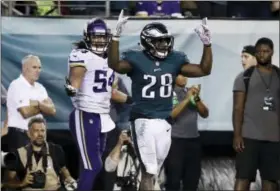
77 57
179 53
129 53
181 56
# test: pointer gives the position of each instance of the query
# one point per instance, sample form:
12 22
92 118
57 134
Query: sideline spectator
47 8
212 8
275 8
189 8
256 111
26 98
112 160
158 8
249 9
248 58
186 166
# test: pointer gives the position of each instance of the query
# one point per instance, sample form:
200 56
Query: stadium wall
52 39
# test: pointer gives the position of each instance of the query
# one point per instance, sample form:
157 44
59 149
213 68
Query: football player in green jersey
153 70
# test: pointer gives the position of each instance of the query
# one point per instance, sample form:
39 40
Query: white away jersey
94 94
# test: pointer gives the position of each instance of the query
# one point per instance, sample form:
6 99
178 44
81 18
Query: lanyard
267 86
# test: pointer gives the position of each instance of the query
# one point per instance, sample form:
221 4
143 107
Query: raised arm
202 69
205 66
114 62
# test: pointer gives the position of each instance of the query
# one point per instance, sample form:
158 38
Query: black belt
17 129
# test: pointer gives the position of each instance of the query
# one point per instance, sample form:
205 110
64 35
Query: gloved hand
120 25
70 185
70 90
203 32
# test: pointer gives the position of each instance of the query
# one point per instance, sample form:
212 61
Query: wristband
197 99
116 38
129 100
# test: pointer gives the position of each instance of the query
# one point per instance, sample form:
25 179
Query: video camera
128 132
130 148
8 159
129 182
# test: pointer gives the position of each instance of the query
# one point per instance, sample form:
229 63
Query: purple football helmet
97 36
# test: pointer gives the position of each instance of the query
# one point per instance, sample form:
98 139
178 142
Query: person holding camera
112 161
124 157
183 162
39 164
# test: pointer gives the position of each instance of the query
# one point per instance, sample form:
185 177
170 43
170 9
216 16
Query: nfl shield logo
157 63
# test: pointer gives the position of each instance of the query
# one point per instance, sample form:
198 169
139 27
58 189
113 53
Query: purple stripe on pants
86 130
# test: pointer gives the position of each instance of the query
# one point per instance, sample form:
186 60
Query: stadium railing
9 7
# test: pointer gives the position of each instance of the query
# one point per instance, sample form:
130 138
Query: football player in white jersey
90 88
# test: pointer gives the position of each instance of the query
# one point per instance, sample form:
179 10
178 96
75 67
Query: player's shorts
152 140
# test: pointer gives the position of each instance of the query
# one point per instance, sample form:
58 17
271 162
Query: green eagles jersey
153 82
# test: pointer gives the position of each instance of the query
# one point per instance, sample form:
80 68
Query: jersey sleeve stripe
77 64
76 61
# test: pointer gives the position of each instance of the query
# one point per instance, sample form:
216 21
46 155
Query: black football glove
70 90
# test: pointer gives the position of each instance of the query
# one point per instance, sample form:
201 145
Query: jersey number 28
165 88
100 81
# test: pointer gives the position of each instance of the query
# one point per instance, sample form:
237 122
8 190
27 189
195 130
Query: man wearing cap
248 58
26 98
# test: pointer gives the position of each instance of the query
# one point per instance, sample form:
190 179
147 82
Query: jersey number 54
101 82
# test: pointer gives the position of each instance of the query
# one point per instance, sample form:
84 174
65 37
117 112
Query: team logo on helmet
156 40
97 36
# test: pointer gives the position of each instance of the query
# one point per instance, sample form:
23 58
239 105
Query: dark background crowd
159 8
